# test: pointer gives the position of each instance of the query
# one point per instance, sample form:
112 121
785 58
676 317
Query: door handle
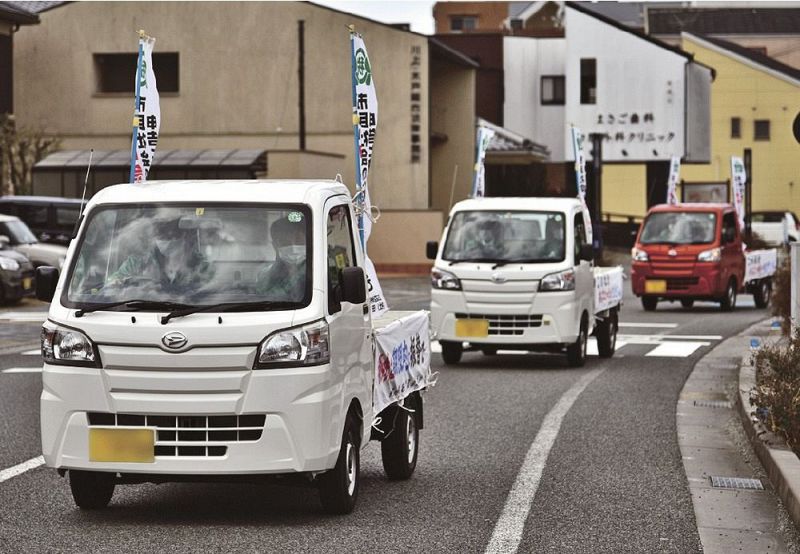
365 309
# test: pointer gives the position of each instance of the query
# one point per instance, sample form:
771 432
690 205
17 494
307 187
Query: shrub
782 295
777 393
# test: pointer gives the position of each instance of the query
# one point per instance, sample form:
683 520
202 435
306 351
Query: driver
486 240
285 280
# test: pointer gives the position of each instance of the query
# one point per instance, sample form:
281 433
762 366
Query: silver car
19 237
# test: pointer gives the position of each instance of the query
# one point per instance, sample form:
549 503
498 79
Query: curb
780 463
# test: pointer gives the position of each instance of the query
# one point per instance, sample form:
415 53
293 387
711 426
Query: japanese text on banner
147 113
738 179
484 137
580 179
672 182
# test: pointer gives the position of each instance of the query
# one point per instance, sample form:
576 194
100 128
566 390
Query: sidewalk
736 507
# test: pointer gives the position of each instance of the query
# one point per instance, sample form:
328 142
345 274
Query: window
340 252
461 23
33 215
728 228
580 236
588 81
761 129
117 72
736 127
552 90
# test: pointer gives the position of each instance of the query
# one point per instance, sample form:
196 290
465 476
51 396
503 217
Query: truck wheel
576 352
728 302
399 449
687 303
451 352
607 335
92 490
338 488
649 303
762 294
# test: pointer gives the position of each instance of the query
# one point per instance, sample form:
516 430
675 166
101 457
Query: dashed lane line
511 524
23 316
648 325
19 469
676 349
36 352
22 370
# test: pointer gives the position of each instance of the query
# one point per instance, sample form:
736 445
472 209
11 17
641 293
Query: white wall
525 60
633 76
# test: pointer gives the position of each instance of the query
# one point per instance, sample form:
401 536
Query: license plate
655 287
122 445
27 283
472 327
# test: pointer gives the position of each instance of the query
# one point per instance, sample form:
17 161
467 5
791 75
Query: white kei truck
517 274
221 331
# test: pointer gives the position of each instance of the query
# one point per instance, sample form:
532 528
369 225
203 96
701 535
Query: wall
625 189
397 243
784 48
296 164
490 14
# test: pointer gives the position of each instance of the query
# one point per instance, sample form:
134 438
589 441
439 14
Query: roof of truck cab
692 207
527 203
246 191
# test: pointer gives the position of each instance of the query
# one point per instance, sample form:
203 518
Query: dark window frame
115 72
736 127
762 135
588 80
555 101
462 18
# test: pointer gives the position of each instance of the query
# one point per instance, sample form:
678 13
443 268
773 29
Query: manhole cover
712 404
736 483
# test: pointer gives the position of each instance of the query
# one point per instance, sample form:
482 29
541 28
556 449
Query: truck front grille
507 324
681 283
185 435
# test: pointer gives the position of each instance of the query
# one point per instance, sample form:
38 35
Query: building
239 91
11 19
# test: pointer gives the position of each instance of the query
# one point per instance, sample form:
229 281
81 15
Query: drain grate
736 483
713 404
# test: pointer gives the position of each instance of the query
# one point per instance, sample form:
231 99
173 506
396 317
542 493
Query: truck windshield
679 228
495 236
192 256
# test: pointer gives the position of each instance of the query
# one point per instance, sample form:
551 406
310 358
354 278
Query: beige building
228 78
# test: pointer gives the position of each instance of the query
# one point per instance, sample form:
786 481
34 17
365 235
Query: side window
341 252
35 216
580 237
728 227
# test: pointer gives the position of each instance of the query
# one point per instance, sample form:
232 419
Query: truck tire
451 352
687 303
762 293
91 490
607 335
576 352
728 302
399 449
338 488
649 303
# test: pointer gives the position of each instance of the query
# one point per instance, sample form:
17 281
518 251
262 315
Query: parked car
775 227
21 238
16 275
51 218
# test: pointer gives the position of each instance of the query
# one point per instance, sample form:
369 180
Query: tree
20 149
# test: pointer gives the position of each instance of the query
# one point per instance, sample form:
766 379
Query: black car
16 276
51 218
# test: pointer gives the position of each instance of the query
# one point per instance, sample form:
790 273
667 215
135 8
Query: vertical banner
147 113
738 180
365 123
580 179
672 182
483 138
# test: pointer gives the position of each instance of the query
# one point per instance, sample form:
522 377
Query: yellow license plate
472 328
655 287
122 445
27 283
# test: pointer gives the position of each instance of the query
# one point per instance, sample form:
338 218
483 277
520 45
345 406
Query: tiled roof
705 21
754 56
10 12
509 142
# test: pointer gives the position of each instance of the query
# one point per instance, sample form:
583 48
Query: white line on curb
19 469
508 529
22 370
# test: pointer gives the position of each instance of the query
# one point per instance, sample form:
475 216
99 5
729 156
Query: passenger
486 240
553 239
285 280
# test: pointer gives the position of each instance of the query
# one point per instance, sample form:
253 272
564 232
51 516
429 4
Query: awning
252 160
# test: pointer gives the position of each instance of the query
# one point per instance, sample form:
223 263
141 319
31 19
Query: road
611 481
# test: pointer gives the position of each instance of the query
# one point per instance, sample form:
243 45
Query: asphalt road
613 481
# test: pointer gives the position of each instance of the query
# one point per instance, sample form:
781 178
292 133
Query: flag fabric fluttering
482 140
147 113
738 180
672 182
580 179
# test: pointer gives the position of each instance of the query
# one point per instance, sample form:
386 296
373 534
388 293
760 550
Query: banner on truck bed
147 113
365 124
607 288
760 264
738 179
672 182
580 179
482 140
402 359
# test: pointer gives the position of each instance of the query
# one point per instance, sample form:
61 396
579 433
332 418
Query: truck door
731 244
349 324
584 279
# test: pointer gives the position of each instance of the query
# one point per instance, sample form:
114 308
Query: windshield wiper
225 307
135 304
501 263
473 260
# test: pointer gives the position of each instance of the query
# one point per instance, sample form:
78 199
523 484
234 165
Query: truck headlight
65 346
713 255
8 264
299 346
639 255
445 280
564 280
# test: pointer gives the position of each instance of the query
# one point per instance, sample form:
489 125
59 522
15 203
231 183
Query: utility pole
597 188
748 192
301 80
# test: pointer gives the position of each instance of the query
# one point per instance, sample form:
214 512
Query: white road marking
648 325
509 527
23 316
676 349
22 370
659 339
591 348
19 469
36 352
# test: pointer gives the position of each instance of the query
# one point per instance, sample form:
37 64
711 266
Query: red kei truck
691 252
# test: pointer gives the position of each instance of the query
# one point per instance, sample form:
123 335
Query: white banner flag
365 123
738 179
672 182
402 359
484 137
147 113
580 179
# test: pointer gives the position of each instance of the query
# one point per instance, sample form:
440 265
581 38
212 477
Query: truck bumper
680 284
293 421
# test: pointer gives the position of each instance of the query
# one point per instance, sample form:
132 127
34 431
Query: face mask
293 254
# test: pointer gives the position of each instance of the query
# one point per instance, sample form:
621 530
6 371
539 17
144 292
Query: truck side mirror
586 253
354 289
4 241
46 281
431 249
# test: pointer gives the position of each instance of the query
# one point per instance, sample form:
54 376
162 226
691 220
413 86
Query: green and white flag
738 180
580 179
484 137
147 113
672 182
